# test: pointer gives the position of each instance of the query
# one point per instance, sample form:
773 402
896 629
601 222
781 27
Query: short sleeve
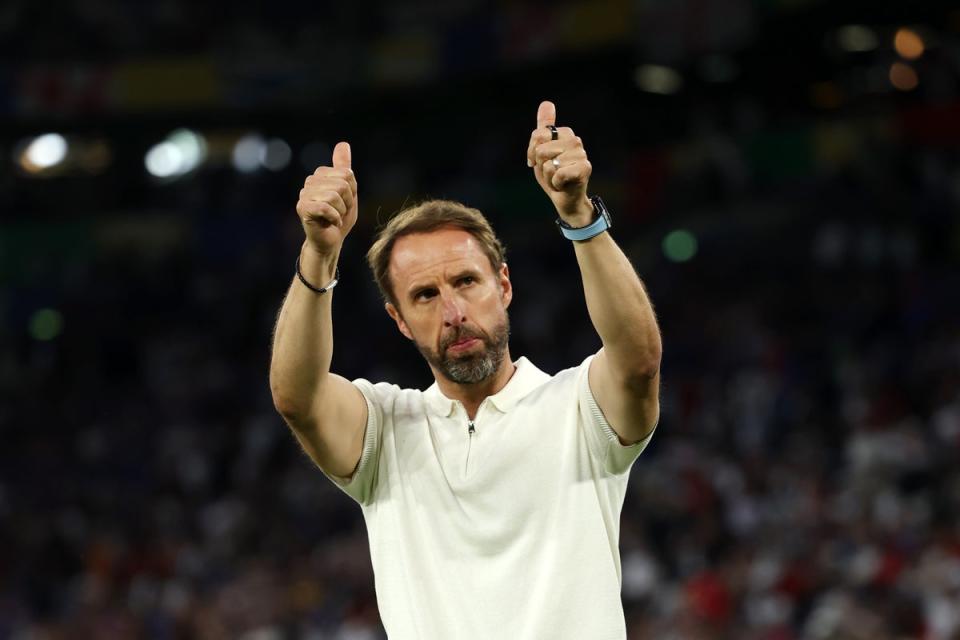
604 443
361 485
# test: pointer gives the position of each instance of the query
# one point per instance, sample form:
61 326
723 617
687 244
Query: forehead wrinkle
422 258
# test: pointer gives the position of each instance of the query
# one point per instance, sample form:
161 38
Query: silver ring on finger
556 163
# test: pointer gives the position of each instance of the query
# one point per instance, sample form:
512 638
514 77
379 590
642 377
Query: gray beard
472 368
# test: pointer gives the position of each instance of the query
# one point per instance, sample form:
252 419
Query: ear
394 313
506 288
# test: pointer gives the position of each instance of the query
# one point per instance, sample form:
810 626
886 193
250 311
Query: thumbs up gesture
328 203
561 167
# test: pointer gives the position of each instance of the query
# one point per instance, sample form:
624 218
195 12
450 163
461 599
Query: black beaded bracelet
324 289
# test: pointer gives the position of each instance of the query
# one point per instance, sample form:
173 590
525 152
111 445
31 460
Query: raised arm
326 413
625 375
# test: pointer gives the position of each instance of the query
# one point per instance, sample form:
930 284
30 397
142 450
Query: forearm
303 338
625 375
619 308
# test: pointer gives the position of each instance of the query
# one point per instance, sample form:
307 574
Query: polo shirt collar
525 379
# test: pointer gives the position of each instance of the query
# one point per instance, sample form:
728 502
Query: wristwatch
600 224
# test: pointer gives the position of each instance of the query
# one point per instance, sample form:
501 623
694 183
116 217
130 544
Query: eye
466 280
424 294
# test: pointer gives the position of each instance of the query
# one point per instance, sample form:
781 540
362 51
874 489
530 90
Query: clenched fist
328 203
561 167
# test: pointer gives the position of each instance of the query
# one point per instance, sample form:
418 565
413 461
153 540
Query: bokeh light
908 43
857 38
46 324
163 160
903 77
249 152
275 155
44 152
182 152
680 245
655 78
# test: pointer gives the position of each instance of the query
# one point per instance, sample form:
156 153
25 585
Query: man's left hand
561 167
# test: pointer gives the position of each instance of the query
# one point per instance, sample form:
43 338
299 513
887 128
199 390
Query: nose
453 315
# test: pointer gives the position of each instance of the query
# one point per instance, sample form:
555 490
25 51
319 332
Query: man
492 499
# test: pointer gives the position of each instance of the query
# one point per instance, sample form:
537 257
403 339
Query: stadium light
249 152
275 154
182 152
163 160
43 152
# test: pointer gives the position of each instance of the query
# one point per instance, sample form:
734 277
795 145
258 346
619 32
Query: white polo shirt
510 531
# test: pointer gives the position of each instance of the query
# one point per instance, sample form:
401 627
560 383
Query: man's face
451 303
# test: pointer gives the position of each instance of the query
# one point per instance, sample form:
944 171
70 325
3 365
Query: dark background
785 179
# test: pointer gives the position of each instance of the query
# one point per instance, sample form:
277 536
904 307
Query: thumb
546 114
341 155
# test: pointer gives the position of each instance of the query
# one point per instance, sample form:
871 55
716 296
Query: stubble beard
473 367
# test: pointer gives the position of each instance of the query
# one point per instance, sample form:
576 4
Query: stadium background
785 174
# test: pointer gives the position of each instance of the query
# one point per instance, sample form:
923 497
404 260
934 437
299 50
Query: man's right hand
328 203
326 412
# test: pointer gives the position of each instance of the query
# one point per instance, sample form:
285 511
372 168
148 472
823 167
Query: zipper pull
470 428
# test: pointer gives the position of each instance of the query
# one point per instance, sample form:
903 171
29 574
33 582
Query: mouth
463 344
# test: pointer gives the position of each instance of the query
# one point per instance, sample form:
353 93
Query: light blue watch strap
598 226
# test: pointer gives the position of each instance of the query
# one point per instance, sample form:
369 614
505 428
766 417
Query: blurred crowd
803 481
802 251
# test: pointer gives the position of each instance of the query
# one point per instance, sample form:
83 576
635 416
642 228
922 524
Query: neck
471 395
